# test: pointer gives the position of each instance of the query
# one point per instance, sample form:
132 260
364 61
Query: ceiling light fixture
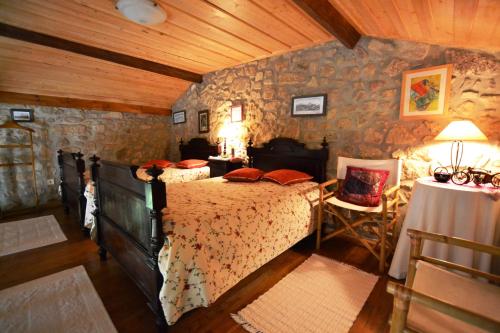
144 12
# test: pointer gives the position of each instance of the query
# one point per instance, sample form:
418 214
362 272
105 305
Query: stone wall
363 87
116 136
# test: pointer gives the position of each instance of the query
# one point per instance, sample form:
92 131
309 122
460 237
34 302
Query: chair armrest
418 234
417 237
328 183
404 295
322 187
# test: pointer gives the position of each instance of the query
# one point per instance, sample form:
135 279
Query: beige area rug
61 302
321 295
28 234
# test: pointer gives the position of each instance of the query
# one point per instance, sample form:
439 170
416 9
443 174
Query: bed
169 244
77 197
72 184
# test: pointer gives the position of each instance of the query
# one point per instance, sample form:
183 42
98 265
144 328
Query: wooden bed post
82 201
156 200
249 153
324 148
94 167
62 184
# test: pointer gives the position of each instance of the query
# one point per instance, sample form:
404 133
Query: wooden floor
127 306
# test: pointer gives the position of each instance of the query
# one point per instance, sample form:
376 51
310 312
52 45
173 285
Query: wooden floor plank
127 306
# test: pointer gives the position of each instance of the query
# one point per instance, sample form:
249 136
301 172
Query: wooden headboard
197 148
286 153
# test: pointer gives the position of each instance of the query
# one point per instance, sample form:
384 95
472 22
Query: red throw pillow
162 164
363 187
244 175
287 176
191 164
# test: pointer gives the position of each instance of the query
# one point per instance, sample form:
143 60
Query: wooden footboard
129 224
72 168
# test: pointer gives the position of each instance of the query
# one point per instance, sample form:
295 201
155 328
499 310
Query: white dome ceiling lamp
145 12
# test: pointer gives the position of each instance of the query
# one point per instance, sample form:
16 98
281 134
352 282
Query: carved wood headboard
197 148
287 153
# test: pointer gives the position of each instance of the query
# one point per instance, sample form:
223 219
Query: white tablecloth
466 211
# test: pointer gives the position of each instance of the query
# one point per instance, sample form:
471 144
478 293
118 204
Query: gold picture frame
425 92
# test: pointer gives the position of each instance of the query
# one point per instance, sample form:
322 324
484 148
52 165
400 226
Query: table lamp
458 131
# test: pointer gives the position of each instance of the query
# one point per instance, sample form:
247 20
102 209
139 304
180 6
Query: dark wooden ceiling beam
31 99
10 31
331 19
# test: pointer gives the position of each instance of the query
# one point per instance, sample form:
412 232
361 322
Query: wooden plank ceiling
205 35
198 36
460 23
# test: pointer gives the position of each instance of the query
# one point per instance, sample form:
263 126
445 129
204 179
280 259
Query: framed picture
179 117
22 115
236 112
425 92
311 105
203 123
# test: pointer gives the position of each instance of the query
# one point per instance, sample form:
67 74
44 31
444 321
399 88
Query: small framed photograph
236 112
311 105
22 115
203 122
179 117
425 92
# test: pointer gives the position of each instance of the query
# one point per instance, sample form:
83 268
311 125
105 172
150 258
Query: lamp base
457 151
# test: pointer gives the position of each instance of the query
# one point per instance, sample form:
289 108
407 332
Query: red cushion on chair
363 187
244 175
287 176
191 164
162 164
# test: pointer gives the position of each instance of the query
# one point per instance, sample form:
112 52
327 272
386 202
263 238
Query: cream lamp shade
461 130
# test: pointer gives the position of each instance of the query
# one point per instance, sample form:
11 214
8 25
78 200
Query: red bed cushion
244 175
162 164
287 176
191 164
363 187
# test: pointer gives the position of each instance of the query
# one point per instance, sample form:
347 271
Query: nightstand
219 166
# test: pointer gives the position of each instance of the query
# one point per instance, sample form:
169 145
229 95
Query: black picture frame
22 115
203 121
309 105
179 117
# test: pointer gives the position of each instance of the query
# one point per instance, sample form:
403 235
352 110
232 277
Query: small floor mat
321 295
62 302
28 234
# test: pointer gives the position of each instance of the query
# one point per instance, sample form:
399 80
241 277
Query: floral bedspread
218 232
169 175
177 175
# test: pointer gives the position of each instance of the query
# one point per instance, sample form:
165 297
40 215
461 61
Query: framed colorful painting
425 92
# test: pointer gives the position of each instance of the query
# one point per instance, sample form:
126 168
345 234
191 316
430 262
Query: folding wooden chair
435 299
380 221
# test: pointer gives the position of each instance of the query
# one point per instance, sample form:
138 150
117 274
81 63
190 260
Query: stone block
268 93
373 136
400 135
241 84
380 46
396 67
291 78
111 115
368 71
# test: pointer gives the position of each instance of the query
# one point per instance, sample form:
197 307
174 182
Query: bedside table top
219 158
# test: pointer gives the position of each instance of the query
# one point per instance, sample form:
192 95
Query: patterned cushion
363 187
159 163
287 176
244 175
191 164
